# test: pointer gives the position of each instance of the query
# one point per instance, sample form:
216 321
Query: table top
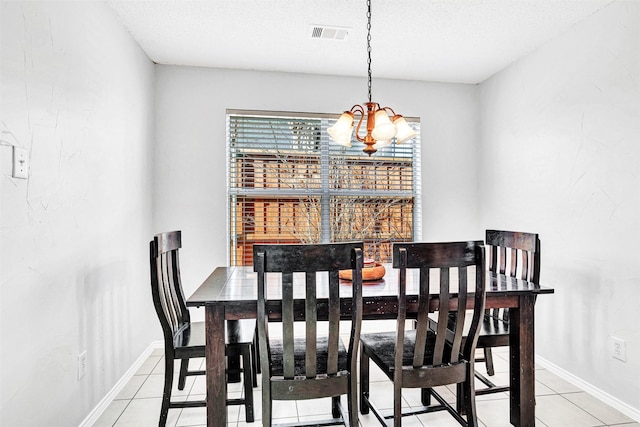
239 284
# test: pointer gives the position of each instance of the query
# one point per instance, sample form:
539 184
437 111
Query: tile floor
558 403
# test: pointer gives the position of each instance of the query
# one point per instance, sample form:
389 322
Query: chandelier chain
369 45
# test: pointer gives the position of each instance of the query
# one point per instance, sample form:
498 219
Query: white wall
191 164
560 155
77 92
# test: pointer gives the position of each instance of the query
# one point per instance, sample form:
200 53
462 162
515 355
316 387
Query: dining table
230 293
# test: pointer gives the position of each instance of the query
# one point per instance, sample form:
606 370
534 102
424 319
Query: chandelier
381 128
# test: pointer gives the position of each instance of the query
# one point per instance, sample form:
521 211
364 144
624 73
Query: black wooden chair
183 339
310 366
515 254
427 358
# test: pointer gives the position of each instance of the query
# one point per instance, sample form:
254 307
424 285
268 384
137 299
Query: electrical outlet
619 349
82 364
20 163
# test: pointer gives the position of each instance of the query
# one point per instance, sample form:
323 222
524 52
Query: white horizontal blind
287 183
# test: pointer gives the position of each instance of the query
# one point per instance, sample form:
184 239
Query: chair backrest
327 259
518 251
166 288
445 262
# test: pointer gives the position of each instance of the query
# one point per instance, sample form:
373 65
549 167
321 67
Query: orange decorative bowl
371 271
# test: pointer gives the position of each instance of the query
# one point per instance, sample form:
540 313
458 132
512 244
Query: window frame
324 192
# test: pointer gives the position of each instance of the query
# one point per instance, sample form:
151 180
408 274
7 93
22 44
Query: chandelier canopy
383 124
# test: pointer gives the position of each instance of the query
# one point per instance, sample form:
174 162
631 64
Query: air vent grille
328 33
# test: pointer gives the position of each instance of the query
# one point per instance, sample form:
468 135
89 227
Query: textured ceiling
462 41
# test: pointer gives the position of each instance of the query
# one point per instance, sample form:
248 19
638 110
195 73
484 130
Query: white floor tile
598 409
111 414
148 365
440 419
132 387
313 407
554 382
145 412
559 403
192 417
556 411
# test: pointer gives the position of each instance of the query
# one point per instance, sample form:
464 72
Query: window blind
288 183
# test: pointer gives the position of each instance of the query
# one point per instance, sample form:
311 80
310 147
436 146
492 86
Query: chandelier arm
358 109
387 109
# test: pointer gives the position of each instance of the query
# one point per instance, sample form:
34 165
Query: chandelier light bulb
341 131
404 131
383 128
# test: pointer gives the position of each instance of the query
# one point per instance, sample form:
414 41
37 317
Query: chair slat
422 324
514 262
402 312
288 358
525 265
334 322
311 320
443 316
460 315
503 259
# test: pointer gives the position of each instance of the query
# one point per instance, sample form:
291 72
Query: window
288 184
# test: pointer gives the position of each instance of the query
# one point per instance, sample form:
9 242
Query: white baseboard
628 410
117 388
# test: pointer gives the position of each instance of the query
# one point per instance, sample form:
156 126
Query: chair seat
381 347
300 353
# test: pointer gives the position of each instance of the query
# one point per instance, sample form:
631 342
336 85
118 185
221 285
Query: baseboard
117 388
629 411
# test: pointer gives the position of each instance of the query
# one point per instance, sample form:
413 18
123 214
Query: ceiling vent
328 33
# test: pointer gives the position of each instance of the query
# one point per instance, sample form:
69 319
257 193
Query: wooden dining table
230 293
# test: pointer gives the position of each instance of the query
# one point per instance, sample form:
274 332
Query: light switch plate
20 163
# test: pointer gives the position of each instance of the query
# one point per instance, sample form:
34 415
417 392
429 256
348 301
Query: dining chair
309 365
421 357
185 340
517 255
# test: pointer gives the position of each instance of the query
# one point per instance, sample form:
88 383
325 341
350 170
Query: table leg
215 362
522 363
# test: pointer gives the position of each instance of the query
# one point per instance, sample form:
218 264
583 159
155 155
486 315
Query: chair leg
267 404
352 400
469 396
248 382
397 404
335 406
364 383
166 394
182 379
488 360
426 396
256 350
255 363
